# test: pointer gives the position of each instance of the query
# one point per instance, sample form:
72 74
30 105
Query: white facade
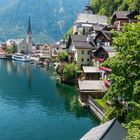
29 43
89 19
81 56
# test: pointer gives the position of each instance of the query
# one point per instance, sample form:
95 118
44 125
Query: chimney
89 38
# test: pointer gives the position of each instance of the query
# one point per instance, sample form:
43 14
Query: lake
34 106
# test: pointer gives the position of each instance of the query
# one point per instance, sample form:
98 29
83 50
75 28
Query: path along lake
33 106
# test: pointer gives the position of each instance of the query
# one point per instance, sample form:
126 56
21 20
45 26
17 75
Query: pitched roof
92 85
90 69
80 42
91 18
98 27
107 34
122 14
111 130
98 50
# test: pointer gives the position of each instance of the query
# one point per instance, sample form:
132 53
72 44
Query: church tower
29 39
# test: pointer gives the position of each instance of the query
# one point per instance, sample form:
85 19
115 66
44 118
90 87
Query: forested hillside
107 7
50 18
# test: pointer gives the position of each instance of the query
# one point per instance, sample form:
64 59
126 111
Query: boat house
92 88
91 73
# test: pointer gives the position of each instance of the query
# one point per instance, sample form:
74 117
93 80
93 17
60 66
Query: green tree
68 33
63 56
107 7
11 49
133 130
70 70
125 88
22 51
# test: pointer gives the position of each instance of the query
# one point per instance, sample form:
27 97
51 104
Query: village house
119 18
40 50
87 22
80 48
104 39
57 48
111 130
99 55
20 43
91 73
1 51
92 88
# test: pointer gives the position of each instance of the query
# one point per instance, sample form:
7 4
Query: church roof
29 26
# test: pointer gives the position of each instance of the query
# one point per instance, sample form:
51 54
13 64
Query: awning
106 69
101 59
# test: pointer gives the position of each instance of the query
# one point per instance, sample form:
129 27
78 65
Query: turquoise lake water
33 106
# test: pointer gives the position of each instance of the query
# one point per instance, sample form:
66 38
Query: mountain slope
109 6
50 18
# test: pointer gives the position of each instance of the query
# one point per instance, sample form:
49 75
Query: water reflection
28 84
33 103
70 99
19 68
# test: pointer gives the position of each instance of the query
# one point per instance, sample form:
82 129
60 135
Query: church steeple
29 39
29 26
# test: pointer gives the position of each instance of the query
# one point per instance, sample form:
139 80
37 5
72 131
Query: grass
101 102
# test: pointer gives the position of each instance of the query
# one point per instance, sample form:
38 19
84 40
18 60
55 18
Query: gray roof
92 85
80 42
111 130
122 14
98 27
91 18
107 34
90 69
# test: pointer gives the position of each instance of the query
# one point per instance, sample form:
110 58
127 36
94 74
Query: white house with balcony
80 48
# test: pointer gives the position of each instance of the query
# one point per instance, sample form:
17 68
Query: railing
96 108
95 103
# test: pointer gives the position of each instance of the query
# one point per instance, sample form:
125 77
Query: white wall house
80 49
89 19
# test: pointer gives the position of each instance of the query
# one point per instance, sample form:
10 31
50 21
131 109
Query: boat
21 57
2 57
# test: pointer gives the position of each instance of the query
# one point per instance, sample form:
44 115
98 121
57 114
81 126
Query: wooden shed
94 88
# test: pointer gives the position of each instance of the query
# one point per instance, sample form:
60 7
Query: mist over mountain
50 18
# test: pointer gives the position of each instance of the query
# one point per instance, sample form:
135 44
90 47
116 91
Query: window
82 52
82 59
88 52
87 59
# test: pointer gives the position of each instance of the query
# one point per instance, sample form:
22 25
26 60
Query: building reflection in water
20 68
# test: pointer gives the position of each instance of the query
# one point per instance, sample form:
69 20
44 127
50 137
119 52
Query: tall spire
29 26
29 39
